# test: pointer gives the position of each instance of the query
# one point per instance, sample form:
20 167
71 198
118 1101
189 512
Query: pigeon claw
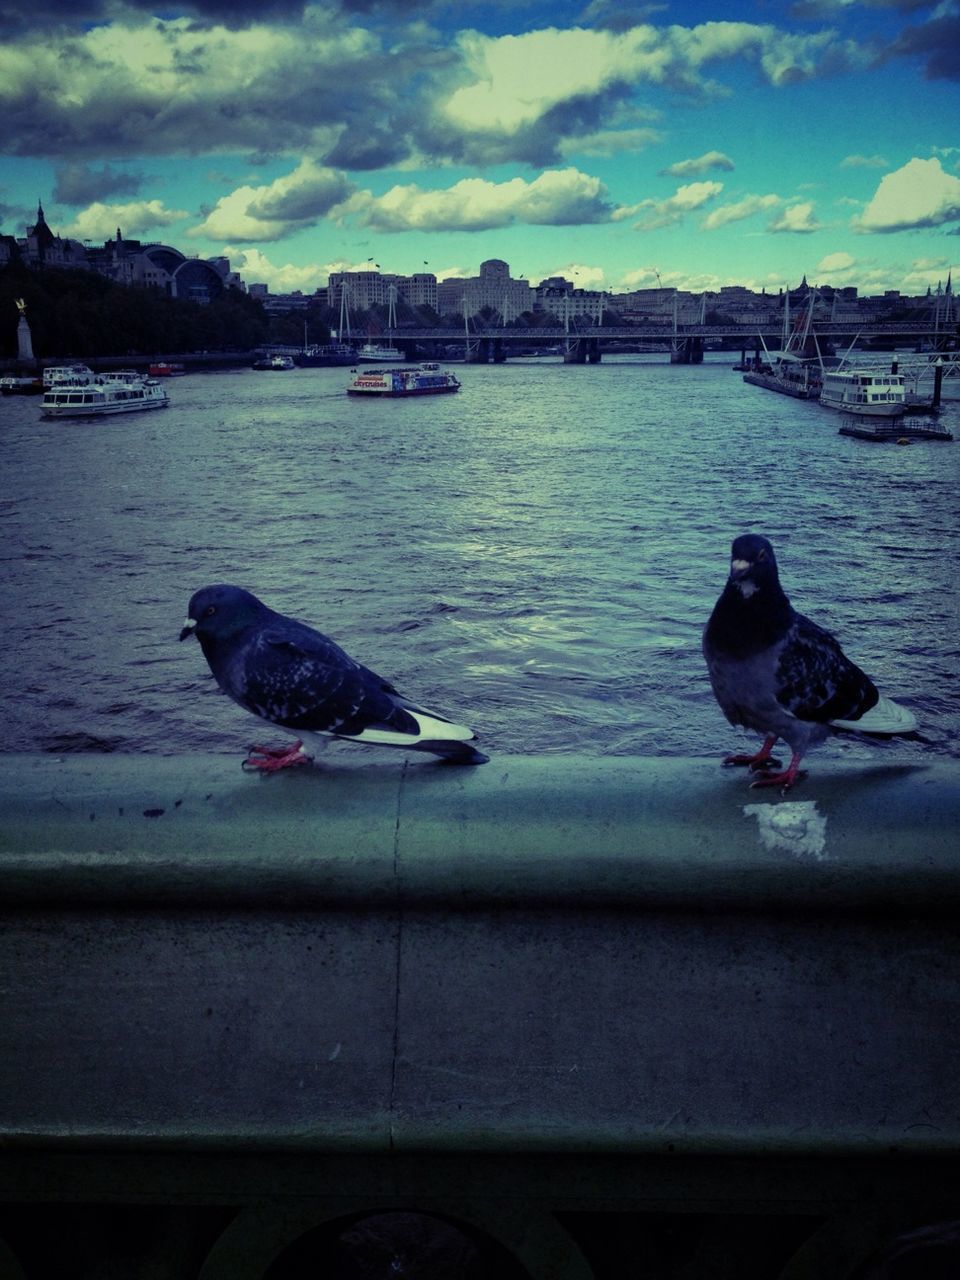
761 760
273 759
784 780
755 764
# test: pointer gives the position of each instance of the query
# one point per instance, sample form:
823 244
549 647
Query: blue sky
704 143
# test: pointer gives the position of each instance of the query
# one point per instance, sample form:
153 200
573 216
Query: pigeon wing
302 680
816 680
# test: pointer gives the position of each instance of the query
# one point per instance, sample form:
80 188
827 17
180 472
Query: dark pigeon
775 671
285 672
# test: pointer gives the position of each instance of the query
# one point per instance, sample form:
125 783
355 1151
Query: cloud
527 96
561 197
739 210
702 164
797 218
81 184
937 41
173 87
293 79
836 268
610 142
289 204
920 194
663 213
100 221
864 162
256 268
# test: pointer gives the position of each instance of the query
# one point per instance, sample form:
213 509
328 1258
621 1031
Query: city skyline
694 145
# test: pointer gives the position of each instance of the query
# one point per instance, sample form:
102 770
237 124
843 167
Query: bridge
584 343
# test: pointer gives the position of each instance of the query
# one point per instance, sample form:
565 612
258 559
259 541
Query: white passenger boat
275 363
373 353
867 393
419 380
68 375
96 399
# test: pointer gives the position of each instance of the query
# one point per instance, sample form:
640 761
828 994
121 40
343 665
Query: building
366 289
128 262
494 288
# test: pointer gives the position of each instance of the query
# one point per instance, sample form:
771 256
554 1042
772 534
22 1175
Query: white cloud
610 142
256 268
558 197
663 213
701 164
838 268
920 194
864 162
797 218
100 221
739 210
290 203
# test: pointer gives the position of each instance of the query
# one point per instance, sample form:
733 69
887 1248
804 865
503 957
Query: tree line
80 313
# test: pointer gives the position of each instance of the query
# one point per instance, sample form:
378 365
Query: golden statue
21 305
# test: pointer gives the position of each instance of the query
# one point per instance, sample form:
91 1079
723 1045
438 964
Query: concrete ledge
557 829
539 955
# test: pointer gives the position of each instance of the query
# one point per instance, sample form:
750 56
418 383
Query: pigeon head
753 566
220 612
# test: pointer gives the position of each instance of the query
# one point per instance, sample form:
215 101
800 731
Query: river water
536 555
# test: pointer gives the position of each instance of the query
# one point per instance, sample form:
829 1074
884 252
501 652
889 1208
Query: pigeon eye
761 555
210 610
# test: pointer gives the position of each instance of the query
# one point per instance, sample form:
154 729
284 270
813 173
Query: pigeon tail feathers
885 717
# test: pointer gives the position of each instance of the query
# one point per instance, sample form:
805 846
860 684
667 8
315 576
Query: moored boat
106 396
419 380
167 369
331 355
867 393
374 353
12 385
789 374
276 363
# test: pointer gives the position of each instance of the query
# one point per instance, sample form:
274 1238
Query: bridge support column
499 351
593 351
575 352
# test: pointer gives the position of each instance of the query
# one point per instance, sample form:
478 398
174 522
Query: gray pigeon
775 671
289 674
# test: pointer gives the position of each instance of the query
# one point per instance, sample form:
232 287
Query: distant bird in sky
290 675
775 671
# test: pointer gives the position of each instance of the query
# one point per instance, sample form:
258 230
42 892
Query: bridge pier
574 351
687 351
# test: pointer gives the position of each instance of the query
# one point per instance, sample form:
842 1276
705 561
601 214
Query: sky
621 145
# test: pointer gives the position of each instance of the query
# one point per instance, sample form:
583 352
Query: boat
794 370
167 369
373 353
68 375
331 355
275 363
12 385
790 374
867 393
105 396
902 430
426 379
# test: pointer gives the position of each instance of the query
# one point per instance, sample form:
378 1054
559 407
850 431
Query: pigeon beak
739 569
189 628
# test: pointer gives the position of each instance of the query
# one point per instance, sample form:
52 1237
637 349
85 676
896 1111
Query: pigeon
287 673
775 671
